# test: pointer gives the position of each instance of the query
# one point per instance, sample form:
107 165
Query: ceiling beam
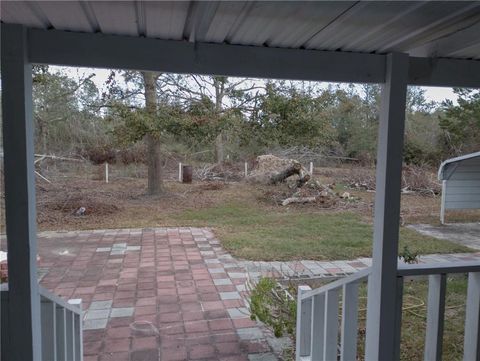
452 44
444 72
126 52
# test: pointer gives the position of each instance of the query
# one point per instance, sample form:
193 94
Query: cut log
304 178
298 200
295 168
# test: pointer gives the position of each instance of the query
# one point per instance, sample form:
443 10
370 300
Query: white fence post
246 169
106 172
442 205
311 168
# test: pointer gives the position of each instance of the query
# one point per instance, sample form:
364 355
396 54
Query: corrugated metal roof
455 160
426 28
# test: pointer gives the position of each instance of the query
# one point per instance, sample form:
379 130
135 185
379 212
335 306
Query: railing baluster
48 329
78 329
349 322
304 321
318 320
472 319
70 335
437 285
331 325
61 334
398 319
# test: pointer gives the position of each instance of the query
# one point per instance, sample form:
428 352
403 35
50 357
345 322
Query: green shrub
275 307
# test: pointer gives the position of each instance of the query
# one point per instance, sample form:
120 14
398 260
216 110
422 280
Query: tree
460 123
221 99
149 122
63 110
291 117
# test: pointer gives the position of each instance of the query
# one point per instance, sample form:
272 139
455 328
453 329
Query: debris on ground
415 179
217 172
80 212
300 188
270 169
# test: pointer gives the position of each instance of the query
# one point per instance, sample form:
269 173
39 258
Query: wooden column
383 298
24 302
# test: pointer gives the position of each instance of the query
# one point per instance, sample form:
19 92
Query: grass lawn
250 232
414 317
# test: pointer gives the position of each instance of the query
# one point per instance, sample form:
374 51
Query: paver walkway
169 293
319 269
154 294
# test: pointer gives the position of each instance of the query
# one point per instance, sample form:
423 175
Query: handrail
425 269
356 277
403 270
59 301
318 313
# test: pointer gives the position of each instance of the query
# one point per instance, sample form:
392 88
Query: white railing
318 314
61 328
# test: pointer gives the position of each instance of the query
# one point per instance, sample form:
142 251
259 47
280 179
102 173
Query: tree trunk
219 84
154 154
279 177
154 161
219 148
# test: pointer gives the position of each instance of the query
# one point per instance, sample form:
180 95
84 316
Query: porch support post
24 300
382 322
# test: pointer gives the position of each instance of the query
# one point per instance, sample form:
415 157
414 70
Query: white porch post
24 301
383 300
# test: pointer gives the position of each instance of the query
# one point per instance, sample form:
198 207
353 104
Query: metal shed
460 178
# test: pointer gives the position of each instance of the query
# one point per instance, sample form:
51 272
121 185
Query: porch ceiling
420 28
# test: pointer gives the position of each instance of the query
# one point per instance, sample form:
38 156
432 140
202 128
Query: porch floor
154 294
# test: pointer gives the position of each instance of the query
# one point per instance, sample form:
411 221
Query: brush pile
300 187
415 179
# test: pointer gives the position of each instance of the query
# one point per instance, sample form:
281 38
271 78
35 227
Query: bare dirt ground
123 202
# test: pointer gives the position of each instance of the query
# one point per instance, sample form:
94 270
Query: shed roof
420 28
445 164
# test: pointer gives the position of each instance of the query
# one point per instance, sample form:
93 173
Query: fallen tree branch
298 200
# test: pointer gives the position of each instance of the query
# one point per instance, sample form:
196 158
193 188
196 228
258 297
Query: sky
436 94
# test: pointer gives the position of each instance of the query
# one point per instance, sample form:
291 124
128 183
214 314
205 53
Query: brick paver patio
154 294
170 293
